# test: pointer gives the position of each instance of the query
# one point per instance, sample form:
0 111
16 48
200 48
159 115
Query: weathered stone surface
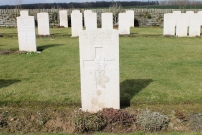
143 17
99 66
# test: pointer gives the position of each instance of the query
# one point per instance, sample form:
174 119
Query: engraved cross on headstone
99 64
26 36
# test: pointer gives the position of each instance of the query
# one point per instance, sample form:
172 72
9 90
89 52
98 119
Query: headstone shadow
6 83
129 88
41 48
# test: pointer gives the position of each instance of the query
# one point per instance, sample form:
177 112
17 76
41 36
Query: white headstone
85 13
189 14
99 66
63 18
26 33
199 12
181 28
75 11
107 21
176 12
91 21
169 24
76 23
200 17
124 24
195 27
24 13
131 17
43 24
176 15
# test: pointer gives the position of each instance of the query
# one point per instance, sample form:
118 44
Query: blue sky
14 2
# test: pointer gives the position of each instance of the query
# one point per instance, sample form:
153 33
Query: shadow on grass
134 33
6 83
41 48
129 88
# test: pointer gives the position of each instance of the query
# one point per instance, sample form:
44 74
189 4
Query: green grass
153 69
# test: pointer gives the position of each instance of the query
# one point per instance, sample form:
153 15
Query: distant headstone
76 23
131 17
24 13
189 14
26 33
85 14
99 69
199 12
200 17
63 18
43 24
75 11
169 24
124 24
91 21
176 12
181 28
107 21
194 28
176 15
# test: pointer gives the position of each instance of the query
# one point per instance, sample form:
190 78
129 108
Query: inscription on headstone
99 66
43 24
26 33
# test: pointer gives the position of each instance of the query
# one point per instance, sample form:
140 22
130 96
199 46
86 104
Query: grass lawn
153 69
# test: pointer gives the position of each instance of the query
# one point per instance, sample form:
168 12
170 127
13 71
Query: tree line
98 4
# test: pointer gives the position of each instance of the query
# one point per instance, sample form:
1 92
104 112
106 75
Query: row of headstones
26 26
99 63
182 24
126 20
26 29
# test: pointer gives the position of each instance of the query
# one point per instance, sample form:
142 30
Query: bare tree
115 9
17 6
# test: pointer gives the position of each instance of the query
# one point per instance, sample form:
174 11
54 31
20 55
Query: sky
14 2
